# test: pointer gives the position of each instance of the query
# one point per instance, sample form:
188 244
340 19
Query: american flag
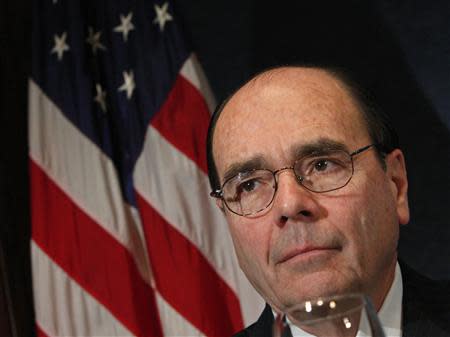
125 239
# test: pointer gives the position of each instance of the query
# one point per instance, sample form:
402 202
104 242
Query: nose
293 201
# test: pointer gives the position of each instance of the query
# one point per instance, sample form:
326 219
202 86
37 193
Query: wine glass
335 316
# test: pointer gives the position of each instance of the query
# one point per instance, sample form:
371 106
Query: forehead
282 109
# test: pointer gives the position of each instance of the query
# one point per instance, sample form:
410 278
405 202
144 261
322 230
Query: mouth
306 253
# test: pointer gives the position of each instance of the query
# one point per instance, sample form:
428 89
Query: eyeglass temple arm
216 194
362 149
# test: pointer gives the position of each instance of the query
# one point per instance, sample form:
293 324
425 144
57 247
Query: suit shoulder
261 328
247 332
426 304
430 291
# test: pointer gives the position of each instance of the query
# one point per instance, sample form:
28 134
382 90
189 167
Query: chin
317 284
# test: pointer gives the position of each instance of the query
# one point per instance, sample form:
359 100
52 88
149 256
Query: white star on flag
162 15
125 25
60 45
94 40
100 97
128 83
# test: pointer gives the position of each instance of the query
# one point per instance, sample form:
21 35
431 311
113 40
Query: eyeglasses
250 192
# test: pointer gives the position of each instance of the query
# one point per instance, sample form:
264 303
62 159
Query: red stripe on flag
40 332
186 280
183 121
91 256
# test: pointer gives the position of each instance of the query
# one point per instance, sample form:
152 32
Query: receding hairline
267 77
341 78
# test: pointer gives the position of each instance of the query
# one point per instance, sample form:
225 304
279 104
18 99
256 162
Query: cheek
251 242
350 223
382 214
367 218
248 241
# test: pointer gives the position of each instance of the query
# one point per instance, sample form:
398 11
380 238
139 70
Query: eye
247 186
244 189
322 165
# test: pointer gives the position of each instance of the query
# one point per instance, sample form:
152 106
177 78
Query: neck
380 291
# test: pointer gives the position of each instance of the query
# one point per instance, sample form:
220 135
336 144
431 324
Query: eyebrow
245 166
322 146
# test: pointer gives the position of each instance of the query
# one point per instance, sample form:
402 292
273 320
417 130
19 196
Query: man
312 183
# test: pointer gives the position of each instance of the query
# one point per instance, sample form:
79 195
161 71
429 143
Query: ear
396 171
219 203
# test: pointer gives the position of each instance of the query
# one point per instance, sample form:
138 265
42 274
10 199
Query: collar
390 313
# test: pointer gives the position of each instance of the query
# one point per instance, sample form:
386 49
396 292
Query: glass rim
328 299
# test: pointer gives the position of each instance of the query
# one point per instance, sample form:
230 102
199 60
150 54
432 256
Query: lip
304 252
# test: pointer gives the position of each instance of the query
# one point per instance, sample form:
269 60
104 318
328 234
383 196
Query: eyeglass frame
218 193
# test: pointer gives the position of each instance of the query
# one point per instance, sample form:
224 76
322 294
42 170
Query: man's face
310 244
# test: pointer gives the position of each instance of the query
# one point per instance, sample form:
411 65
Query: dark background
399 49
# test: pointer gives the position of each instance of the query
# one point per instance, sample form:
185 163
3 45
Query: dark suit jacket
426 309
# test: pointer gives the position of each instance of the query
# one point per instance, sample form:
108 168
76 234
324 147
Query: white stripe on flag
193 72
178 190
63 308
84 173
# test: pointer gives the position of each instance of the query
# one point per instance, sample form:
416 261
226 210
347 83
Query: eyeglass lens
251 192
